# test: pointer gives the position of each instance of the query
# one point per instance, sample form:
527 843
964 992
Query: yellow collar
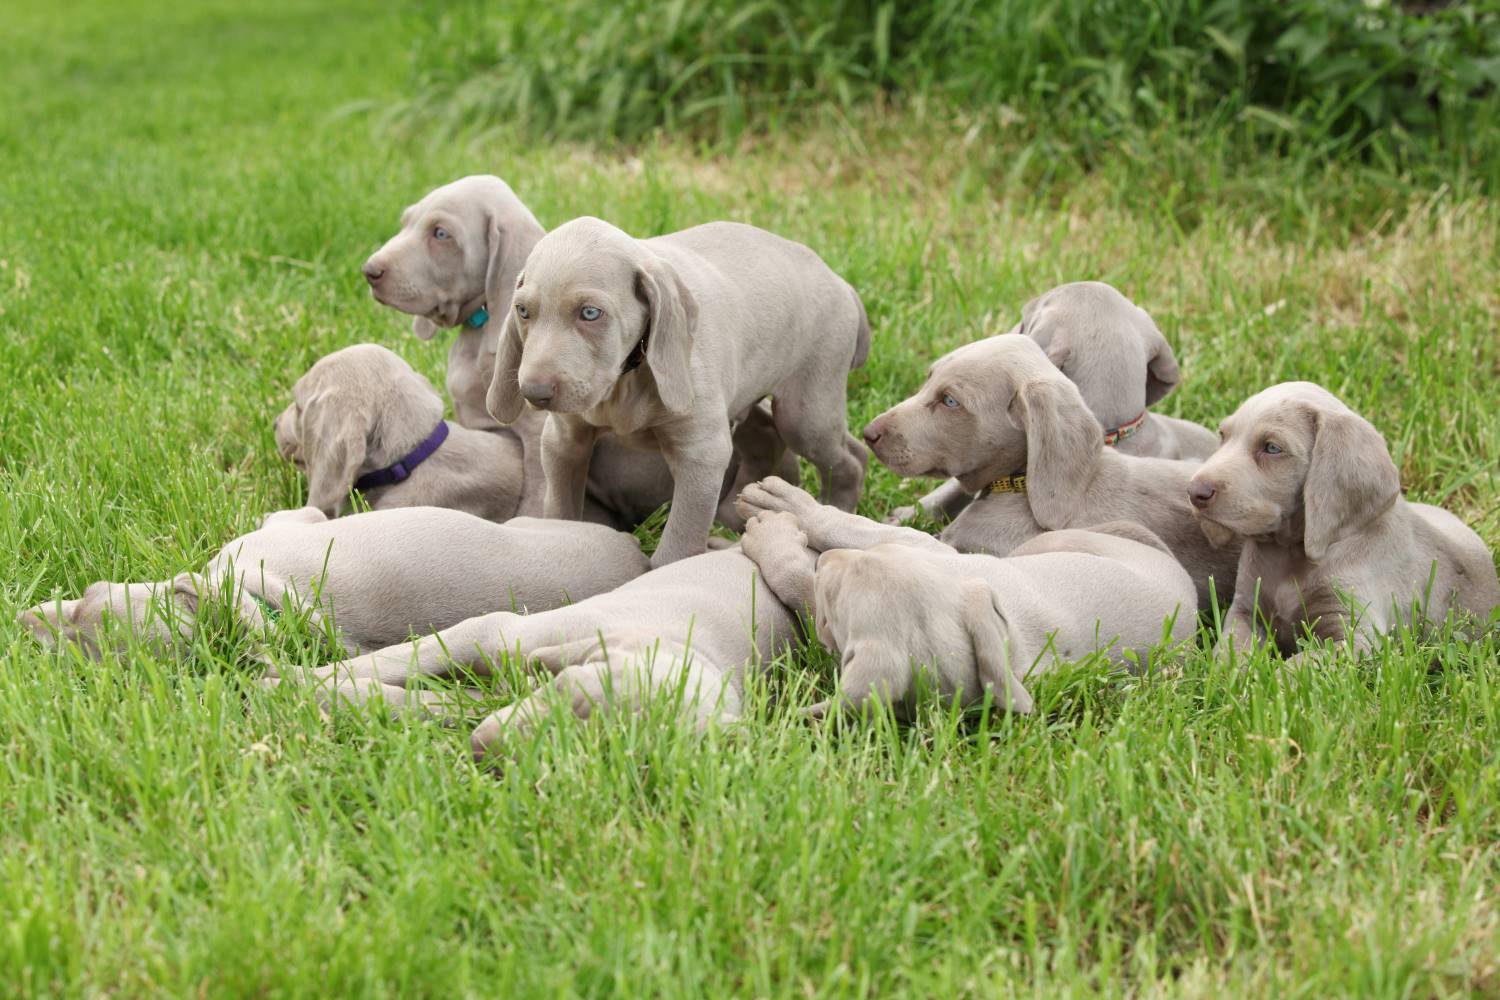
1007 484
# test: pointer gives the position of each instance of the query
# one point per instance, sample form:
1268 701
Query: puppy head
1107 345
357 409
108 614
459 248
1295 465
890 612
587 298
988 410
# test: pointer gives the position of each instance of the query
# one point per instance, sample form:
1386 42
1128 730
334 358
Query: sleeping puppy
1112 350
361 418
1330 546
691 629
382 575
664 342
454 265
1000 417
976 624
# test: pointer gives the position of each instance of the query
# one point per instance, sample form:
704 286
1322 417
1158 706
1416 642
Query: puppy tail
862 335
1131 531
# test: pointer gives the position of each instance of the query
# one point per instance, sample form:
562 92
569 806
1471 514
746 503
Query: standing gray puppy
454 264
664 342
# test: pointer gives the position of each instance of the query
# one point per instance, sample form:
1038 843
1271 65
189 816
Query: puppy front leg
942 504
828 527
1240 632
567 446
697 461
778 547
469 644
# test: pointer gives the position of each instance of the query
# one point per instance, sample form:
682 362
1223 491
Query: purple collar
398 471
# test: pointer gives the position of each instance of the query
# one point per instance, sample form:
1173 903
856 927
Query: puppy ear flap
508 250
503 400
671 322
1162 375
1350 481
424 328
988 631
1063 442
333 439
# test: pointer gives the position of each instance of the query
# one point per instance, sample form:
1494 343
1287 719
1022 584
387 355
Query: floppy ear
988 630
1161 365
508 252
1350 480
1063 442
424 328
333 434
503 400
671 322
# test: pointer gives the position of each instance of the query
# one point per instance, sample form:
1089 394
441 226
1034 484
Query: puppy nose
873 432
373 272
539 393
1200 493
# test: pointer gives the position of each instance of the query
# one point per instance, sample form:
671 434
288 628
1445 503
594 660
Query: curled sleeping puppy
382 575
1112 350
361 418
454 265
1000 417
664 342
976 623
1308 488
694 626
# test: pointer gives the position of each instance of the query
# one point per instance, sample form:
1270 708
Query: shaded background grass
182 216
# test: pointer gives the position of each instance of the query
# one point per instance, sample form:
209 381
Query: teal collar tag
271 613
480 317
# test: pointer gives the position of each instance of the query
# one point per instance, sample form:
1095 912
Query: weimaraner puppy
1001 418
382 576
454 264
361 418
1331 548
693 627
665 341
976 623
1122 365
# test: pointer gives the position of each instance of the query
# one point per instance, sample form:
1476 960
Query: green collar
271 613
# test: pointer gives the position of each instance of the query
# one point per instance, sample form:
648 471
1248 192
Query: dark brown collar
636 356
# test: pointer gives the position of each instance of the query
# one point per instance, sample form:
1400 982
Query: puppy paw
901 516
775 494
769 534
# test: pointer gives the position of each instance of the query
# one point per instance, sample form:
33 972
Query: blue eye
1271 449
522 312
439 233
590 313
950 402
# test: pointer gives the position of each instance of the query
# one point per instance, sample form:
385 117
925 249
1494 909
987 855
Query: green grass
182 213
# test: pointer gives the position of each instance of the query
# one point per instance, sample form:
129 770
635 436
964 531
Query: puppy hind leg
816 430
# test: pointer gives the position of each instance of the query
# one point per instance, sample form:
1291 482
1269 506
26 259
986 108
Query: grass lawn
185 197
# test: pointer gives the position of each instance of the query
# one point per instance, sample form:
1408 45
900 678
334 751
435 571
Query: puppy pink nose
373 272
538 393
1200 493
873 432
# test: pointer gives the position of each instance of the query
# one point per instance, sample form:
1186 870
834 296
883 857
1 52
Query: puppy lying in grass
975 624
1331 549
1000 417
691 628
454 264
381 576
665 342
361 418
1112 350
